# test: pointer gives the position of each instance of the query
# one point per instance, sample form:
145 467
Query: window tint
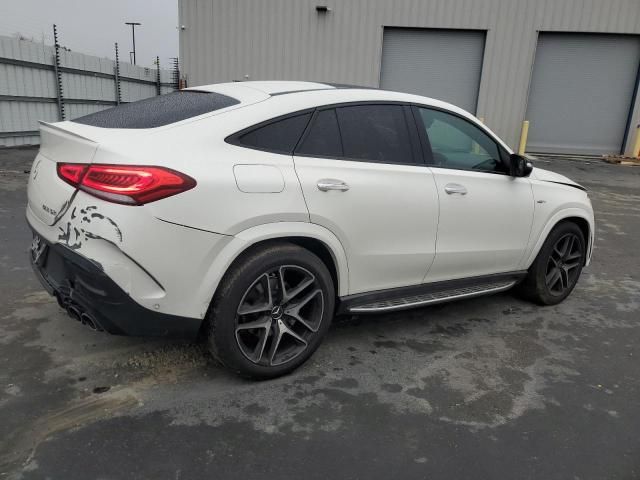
457 143
377 133
280 136
324 136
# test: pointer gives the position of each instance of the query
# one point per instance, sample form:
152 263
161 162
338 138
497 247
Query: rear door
364 179
485 214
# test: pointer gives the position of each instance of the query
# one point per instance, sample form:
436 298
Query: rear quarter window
323 138
278 136
159 111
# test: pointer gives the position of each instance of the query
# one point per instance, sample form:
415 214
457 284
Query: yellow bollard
523 137
636 144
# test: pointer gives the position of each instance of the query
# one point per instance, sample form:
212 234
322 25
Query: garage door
443 64
581 92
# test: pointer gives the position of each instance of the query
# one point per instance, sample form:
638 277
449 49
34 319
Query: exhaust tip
90 322
74 313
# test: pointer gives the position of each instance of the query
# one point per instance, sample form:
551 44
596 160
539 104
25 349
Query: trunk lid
49 196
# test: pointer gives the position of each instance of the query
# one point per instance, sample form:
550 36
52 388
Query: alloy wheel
279 314
564 263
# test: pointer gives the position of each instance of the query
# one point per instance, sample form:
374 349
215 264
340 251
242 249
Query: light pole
133 35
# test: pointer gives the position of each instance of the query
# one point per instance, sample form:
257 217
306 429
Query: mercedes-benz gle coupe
252 213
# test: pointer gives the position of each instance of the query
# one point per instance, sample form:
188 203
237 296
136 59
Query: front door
485 214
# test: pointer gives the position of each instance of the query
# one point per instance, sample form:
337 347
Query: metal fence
50 83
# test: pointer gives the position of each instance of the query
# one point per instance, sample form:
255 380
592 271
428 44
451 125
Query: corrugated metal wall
225 40
28 90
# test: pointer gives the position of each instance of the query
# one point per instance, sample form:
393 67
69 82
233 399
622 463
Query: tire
259 329
555 271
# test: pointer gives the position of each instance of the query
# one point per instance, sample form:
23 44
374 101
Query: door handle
455 188
327 184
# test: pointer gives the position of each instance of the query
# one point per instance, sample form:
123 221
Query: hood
553 177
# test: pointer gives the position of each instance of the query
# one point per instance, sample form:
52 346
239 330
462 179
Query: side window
376 133
323 138
457 143
280 136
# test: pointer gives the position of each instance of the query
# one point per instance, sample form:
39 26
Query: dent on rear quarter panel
84 224
140 252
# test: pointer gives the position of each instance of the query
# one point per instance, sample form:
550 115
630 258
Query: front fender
244 239
561 214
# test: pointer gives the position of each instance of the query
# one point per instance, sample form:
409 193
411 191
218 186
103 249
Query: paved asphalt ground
485 388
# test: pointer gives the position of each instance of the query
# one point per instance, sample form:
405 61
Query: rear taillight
127 184
71 172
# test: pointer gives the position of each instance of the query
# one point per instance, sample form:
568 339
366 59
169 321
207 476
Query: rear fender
271 231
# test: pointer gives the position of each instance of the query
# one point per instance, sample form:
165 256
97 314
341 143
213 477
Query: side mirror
519 166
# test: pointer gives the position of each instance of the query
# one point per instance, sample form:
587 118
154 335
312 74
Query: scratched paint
82 224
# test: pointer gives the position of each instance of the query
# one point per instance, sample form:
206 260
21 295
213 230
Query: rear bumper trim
76 280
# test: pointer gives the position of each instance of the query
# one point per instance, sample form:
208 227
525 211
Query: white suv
254 212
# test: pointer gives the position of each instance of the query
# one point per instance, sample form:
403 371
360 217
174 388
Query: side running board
428 294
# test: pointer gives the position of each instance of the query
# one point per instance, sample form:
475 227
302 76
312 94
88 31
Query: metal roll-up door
581 92
443 64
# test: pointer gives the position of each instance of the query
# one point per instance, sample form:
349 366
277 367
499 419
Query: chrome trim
455 188
327 184
380 307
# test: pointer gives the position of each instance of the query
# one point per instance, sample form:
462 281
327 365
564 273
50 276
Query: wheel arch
582 218
314 238
584 226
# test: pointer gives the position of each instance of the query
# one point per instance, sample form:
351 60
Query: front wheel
555 271
271 312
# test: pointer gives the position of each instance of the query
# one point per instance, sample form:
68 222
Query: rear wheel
271 312
556 269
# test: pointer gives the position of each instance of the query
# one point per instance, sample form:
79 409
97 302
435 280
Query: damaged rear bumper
91 296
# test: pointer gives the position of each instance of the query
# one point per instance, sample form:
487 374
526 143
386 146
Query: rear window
158 111
280 136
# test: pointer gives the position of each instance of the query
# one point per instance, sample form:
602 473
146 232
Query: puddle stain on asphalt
21 444
480 379
58 349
